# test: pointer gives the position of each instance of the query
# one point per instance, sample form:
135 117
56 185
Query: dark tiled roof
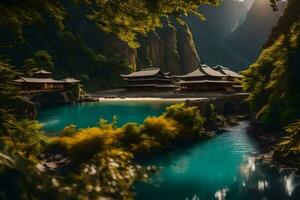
203 70
227 71
42 72
205 81
143 72
196 73
45 80
210 72
153 85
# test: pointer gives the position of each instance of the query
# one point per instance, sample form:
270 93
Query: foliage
274 79
289 146
85 143
160 128
26 138
214 120
189 118
126 19
110 174
179 123
17 14
8 93
41 60
68 130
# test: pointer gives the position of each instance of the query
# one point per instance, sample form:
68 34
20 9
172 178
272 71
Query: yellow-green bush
69 130
289 146
84 144
189 118
26 139
160 128
155 134
131 134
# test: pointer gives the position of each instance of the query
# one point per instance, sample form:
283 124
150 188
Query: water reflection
289 184
248 167
221 194
262 185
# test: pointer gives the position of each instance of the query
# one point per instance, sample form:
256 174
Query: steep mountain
274 83
274 79
211 35
171 48
251 35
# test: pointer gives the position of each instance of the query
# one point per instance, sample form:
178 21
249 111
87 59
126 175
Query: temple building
231 76
42 81
204 78
149 79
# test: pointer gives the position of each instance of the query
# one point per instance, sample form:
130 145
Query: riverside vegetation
102 158
274 83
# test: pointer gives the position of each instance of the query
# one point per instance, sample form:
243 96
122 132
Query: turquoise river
220 168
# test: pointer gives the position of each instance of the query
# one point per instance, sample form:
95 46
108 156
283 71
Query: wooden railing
32 91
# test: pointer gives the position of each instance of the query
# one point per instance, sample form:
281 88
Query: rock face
250 36
211 35
171 48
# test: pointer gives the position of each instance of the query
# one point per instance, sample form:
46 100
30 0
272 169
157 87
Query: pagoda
204 78
149 79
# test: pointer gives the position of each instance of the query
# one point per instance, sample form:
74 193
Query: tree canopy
125 18
273 79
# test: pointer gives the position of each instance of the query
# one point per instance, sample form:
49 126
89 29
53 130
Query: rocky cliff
251 35
171 48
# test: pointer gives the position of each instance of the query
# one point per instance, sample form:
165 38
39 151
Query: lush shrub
68 130
189 118
110 174
84 144
160 128
131 134
289 146
26 139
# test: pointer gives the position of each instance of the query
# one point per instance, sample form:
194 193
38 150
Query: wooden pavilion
42 81
149 79
204 78
231 76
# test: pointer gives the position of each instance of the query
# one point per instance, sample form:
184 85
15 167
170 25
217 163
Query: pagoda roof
203 70
42 72
145 72
206 81
227 71
153 85
45 80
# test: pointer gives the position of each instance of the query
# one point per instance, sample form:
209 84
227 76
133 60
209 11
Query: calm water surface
220 168
88 114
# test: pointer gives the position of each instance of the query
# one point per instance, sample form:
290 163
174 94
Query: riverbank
269 142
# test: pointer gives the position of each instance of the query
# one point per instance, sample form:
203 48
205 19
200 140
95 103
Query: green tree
124 18
43 60
8 93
